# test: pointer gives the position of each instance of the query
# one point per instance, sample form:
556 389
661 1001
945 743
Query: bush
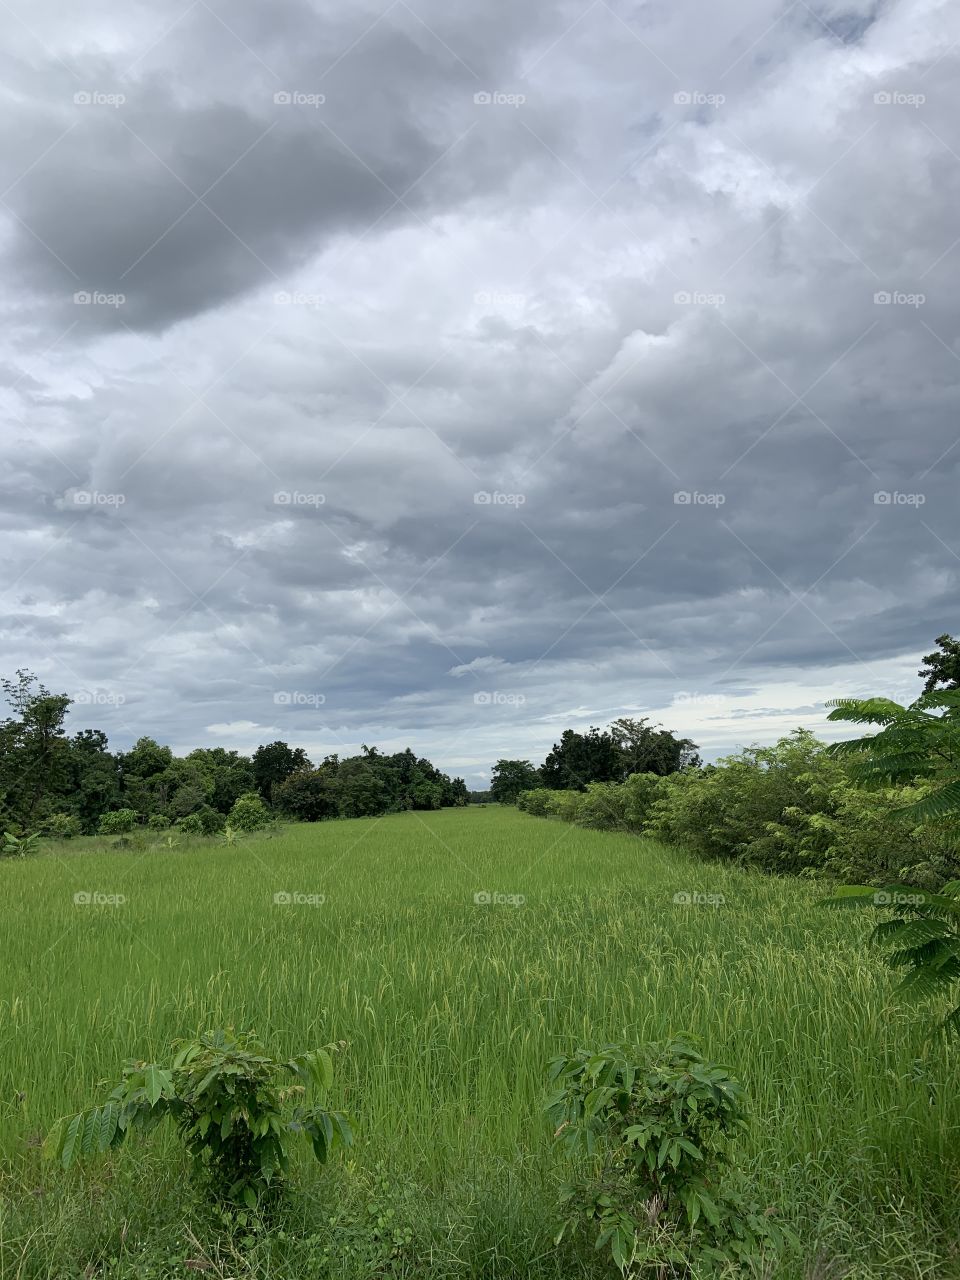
228 1097
535 801
564 805
158 822
205 822
640 791
249 813
119 822
658 1119
602 806
63 826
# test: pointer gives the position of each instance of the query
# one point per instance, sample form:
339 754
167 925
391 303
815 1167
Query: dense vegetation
452 1008
67 786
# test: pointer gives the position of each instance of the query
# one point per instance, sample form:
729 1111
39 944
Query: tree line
70 784
628 746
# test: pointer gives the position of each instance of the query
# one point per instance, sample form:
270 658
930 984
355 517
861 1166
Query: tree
579 758
646 748
942 668
275 763
249 813
509 777
34 750
308 795
919 743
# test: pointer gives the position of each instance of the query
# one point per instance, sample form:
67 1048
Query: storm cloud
402 373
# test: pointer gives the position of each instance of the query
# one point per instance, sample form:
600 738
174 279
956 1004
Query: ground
455 953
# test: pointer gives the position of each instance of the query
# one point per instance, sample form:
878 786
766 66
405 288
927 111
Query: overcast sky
447 375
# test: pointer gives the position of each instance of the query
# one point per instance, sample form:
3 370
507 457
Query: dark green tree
274 763
509 778
942 669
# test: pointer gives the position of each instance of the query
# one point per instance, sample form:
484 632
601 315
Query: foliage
249 813
654 1122
579 758
509 777
918 743
943 667
274 763
63 826
627 747
158 822
228 1099
15 846
923 936
119 822
646 748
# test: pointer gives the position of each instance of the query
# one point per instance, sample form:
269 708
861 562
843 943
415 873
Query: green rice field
451 1008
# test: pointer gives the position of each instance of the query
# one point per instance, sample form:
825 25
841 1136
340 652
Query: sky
448 375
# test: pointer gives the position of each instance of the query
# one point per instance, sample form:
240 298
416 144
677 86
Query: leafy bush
602 806
63 826
535 801
249 813
564 805
205 822
18 846
119 822
656 1122
158 822
227 1097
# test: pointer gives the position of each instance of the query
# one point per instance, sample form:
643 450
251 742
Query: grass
451 1010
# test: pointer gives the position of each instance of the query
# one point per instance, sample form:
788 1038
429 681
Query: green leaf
68 1148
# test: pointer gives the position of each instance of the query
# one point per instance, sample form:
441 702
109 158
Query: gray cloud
683 318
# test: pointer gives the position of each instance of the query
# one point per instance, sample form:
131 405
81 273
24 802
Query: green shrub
249 813
656 1122
564 805
640 791
602 806
119 822
158 822
63 826
535 801
228 1098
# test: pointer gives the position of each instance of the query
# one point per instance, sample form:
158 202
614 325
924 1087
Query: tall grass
451 1010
